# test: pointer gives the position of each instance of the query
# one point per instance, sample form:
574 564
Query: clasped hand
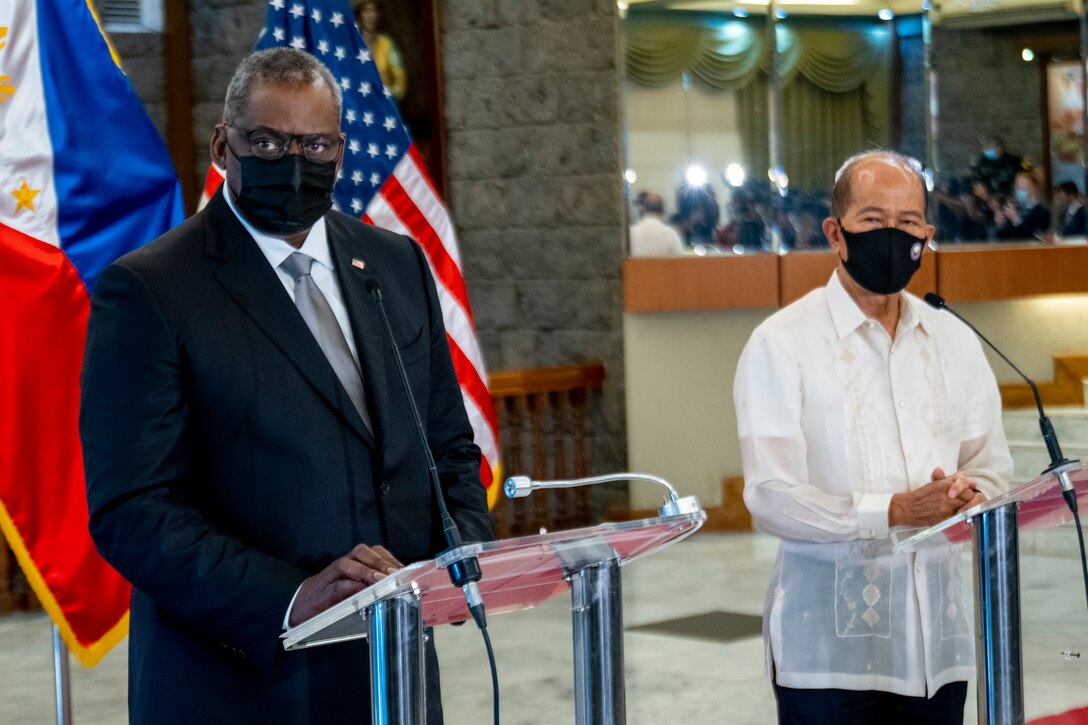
942 497
364 565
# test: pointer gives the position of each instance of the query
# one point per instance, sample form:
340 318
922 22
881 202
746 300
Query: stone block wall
984 87
533 123
222 33
912 97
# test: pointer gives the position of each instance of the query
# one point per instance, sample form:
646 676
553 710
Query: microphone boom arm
521 486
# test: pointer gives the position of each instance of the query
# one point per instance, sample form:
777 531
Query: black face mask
287 195
882 260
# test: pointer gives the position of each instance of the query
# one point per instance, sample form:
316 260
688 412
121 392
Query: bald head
860 171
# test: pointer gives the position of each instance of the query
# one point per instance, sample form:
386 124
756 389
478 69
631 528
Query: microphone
464 573
1050 438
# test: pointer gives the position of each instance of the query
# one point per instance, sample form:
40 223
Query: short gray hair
280 66
841 194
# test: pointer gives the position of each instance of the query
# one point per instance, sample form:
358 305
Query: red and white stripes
408 204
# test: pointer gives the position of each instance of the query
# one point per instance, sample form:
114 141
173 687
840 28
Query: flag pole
62 678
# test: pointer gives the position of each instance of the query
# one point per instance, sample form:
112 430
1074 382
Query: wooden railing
542 424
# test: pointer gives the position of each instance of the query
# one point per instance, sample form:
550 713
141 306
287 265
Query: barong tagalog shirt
834 417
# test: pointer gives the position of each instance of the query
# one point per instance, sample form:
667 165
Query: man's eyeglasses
272 145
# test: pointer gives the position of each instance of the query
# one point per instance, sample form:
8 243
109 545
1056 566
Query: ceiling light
695 176
734 175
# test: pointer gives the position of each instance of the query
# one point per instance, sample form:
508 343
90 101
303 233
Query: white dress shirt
316 245
834 417
651 237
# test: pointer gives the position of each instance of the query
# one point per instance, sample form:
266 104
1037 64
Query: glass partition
733 138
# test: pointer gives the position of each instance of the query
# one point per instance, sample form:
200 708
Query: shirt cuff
287 616
873 515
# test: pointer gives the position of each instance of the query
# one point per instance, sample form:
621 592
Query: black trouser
869 707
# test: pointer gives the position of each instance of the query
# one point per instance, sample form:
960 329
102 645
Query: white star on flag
391 151
372 149
375 179
340 52
364 88
364 55
390 123
323 47
349 115
357 176
345 83
278 4
387 92
316 15
297 11
278 34
298 43
337 19
368 118
357 206
353 146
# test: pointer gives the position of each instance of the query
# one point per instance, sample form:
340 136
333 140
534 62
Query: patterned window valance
729 55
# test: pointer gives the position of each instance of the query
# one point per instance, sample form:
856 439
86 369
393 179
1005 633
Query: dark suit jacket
1074 225
225 462
1035 221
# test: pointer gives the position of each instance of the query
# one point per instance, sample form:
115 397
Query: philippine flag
84 178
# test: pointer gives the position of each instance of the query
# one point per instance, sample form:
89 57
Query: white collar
846 316
276 249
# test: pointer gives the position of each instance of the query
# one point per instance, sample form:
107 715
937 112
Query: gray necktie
317 313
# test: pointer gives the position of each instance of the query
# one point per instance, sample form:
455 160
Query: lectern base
597 614
397 684
997 617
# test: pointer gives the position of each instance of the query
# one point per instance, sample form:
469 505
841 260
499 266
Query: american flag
383 181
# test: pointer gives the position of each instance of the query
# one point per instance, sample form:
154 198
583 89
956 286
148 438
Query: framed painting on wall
403 37
1065 122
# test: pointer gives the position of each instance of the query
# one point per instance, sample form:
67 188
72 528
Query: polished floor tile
670 678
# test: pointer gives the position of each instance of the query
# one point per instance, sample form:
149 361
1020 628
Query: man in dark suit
251 458
1070 212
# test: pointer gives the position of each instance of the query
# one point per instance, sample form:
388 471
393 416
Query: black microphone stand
997 570
465 571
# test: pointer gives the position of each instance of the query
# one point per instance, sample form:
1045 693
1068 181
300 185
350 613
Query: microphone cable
481 624
1050 438
465 572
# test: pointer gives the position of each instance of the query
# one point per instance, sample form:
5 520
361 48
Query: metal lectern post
597 613
997 617
395 630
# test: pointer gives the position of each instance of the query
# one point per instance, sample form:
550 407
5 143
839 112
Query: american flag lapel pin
358 264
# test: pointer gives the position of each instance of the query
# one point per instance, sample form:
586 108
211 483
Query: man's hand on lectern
363 566
942 497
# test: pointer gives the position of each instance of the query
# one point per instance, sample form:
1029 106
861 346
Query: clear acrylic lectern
517 574
993 530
